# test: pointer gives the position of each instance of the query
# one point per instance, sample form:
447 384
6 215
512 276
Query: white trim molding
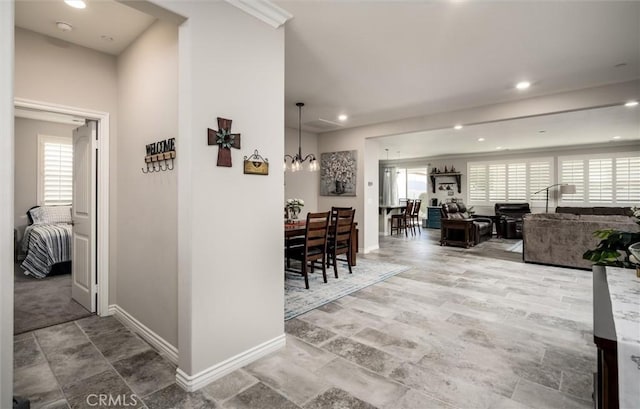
368 249
102 218
159 343
263 10
192 383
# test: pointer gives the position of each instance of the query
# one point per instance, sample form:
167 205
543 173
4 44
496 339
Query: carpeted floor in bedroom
43 303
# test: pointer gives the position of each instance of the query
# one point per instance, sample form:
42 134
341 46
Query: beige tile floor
472 328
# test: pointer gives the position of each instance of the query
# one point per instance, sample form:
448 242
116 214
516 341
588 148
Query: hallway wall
147 266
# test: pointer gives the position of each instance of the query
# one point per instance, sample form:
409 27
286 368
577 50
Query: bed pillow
51 214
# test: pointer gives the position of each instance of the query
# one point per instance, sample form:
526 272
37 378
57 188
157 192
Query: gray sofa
561 238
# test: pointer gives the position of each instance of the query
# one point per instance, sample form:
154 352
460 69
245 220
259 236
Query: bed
47 240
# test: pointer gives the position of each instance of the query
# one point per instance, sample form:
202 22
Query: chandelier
296 161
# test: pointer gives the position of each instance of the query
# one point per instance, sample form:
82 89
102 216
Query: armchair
457 228
509 219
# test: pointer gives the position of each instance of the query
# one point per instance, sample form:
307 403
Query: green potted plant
613 249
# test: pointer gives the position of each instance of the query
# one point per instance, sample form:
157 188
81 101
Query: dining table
297 228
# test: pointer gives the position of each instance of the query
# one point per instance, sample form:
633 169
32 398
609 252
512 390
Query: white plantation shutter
517 182
508 181
56 170
477 183
607 179
600 186
497 182
572 173
628 180
539 178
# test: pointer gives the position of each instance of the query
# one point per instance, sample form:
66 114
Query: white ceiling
100 18
593 126
384 60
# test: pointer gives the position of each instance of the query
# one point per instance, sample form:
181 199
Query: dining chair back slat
315 244
341 236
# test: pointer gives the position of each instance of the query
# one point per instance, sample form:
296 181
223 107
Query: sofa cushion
599 210
599 218
551 216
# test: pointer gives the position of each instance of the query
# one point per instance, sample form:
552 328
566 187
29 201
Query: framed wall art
338 173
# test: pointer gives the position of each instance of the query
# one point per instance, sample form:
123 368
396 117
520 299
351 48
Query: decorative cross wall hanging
225 141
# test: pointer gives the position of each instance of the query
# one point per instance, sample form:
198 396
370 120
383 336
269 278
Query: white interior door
83 283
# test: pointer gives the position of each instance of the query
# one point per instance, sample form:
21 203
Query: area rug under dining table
299 300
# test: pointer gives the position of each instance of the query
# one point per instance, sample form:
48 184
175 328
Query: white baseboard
191 383
164 347
369 249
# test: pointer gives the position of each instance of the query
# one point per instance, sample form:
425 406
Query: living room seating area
561 238
459 228
509 219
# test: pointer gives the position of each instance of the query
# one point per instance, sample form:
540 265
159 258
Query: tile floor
462 329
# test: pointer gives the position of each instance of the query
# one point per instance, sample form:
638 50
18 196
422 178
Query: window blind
57 172
539 178
508 181
600 180
572 173
497 182
628 180
517 182
606 179
477 183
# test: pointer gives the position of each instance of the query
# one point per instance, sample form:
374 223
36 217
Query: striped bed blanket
45 245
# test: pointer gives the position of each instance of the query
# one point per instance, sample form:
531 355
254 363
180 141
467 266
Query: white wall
147 236
53 71
354 138
231 285
303 184
6 204
26 156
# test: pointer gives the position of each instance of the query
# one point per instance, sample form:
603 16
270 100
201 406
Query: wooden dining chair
315 245
401 221
340 236
415 216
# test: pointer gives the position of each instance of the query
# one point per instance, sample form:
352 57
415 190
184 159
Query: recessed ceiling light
76 4
522 85
631 104
342 117
457 127
66 27
480 139
617 137
498 147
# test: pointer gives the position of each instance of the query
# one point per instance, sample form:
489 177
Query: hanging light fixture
387 171
296 160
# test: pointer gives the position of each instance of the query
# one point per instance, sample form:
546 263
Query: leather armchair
458 228
509 219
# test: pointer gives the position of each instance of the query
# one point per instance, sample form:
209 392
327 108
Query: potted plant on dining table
293 207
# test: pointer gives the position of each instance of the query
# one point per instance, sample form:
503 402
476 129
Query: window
401 180
628 180
508 181
416 182
602 179
572 173
55 170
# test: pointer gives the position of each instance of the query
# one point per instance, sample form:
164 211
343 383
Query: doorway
85 279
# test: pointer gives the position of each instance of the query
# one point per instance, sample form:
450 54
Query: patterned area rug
299 300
